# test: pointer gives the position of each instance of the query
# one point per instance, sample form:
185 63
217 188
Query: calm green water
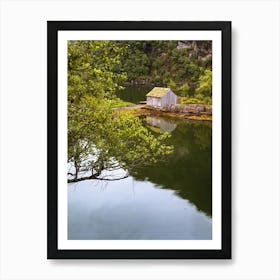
188 170
134 94
170 200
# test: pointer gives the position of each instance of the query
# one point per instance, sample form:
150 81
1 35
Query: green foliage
205 84
134 62
187 71
190 100
90 65
100 138
111 139
208 100
171 84
183 90
197 99
119 103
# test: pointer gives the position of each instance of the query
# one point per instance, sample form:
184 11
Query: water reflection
129 209
170 200
163 124
188 170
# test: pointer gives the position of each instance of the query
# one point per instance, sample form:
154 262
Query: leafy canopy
99 137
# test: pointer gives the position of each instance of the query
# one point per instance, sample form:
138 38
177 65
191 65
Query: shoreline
190 112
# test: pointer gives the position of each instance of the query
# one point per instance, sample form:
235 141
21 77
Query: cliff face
201 49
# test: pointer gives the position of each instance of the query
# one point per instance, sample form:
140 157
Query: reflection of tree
188 170
202 135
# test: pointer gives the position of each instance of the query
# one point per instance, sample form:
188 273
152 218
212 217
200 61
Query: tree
205 84
101 139
90 65
134 62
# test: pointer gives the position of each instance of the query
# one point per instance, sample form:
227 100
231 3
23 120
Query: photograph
139 140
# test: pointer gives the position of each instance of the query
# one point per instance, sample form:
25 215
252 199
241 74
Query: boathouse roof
158 92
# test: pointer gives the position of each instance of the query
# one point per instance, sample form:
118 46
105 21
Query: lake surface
134 94
171 200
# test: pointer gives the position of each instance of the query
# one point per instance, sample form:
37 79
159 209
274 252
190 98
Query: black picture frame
52 128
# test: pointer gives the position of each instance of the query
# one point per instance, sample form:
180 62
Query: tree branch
94 177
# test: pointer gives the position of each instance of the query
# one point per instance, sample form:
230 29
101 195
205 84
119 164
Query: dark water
134 94
170 200
188 170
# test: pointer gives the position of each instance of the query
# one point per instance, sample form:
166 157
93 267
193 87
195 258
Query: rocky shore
182 111
188 109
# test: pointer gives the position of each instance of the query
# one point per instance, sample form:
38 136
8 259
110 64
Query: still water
134 94
169 200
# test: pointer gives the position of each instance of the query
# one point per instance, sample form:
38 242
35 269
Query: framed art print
139 140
